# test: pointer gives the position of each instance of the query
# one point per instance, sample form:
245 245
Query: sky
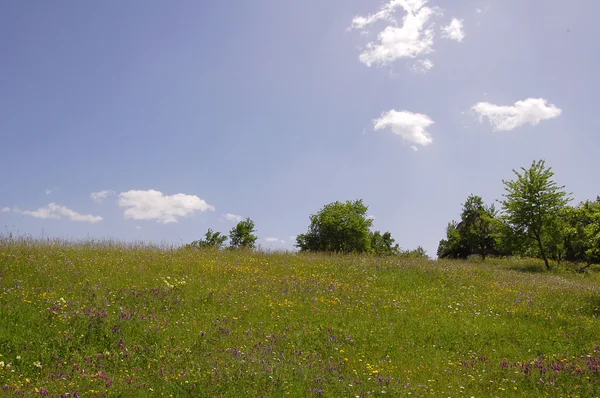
154 121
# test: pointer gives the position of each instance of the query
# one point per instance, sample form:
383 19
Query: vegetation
535 221
242 235
113 320
532 205
338 227
211 240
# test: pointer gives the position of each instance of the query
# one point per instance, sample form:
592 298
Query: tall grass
110 319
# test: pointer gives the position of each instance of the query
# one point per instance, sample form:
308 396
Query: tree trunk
542 252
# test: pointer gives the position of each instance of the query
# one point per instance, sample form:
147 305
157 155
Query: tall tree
532 203
338 227
242 235
582 233
477 226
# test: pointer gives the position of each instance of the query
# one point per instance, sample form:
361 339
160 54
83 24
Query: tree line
534 220
339 227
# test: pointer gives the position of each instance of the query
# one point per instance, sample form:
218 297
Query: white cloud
422 65
232 217
414 148
99 197
5 209
413 38
507 117
454 30
274 240
410 126
292 238
154 205
54 211
50 190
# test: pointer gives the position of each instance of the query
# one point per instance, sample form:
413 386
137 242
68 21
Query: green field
115 320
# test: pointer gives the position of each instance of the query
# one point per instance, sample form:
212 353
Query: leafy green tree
242 235
211 239
474 234
383 244
454 246
338 227
477 227
582 233
533 202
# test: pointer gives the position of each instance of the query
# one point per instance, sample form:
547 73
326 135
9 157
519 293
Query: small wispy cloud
454 30
55 211
422 65
99 197
5 209
508 117
274 240
232 217
50 190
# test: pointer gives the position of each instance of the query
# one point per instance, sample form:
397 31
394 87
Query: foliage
474 234
242 235
532 205
582 233
338 227
211 240
383 244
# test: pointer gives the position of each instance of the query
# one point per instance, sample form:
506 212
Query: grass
101 319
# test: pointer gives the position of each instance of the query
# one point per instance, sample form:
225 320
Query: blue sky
187 111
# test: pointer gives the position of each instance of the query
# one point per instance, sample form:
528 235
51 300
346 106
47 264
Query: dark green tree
474 234
383 244
454 246
477 227
338 227
582 233
532 205
242 235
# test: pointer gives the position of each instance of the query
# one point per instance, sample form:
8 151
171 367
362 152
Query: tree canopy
242 235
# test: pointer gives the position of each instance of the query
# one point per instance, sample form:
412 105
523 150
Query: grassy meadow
102 319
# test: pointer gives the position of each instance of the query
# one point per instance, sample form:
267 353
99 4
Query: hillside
115 320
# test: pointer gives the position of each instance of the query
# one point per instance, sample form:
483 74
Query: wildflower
37 364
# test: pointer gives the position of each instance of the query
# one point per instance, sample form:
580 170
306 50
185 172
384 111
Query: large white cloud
410 38
232 217
154 205
454 30
52 210
509 117
99 197
412 127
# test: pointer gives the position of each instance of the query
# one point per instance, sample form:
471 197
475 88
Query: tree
582 233
211 239
477 227
242 235
454 245
338 227
533 202
474 234
383 244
